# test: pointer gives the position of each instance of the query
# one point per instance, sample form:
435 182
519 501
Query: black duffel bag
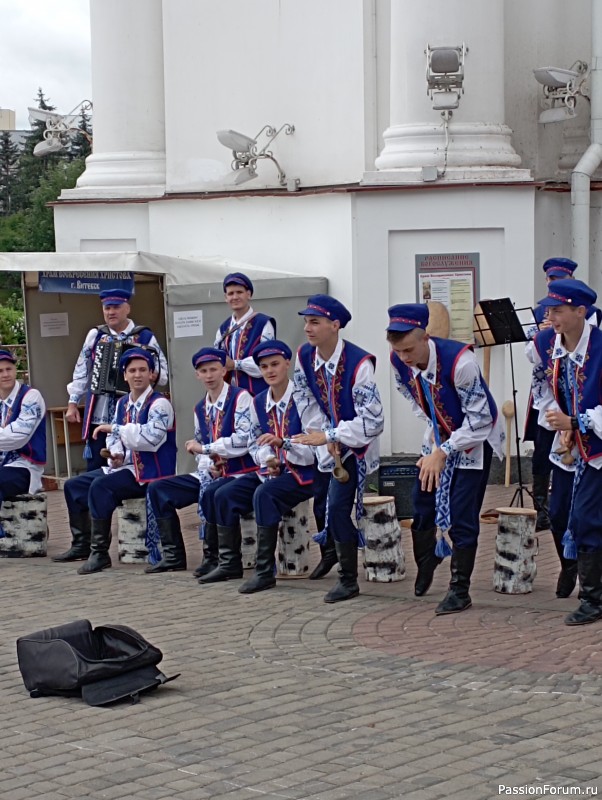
102 665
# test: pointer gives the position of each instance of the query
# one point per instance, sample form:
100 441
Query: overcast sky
44 43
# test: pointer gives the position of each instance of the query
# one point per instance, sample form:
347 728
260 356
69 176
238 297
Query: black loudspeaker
397 479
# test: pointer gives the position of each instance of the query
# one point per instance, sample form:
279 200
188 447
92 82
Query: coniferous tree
9 158
81 142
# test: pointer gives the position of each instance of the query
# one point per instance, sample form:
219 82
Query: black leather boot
264 578
210 551
541 485
172 544
424 543
100 541
328 560
457 598
347 586
229 556
589 567
80 539
568 569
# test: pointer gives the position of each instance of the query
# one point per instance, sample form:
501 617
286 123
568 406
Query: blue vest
224 428
248 338
150 466
446 399
588 384
291 424
140 335
338 404
35 449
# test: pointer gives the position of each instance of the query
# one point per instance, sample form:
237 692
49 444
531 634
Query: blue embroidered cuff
587 420
286 443
331 435
447 448
115 429
73 398
237 363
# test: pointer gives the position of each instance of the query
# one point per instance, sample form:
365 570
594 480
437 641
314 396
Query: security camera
236 141
48 147
556 77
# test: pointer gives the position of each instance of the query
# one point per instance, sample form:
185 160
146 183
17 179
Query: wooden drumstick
508 412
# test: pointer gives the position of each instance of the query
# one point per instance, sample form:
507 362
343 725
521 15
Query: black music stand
499 324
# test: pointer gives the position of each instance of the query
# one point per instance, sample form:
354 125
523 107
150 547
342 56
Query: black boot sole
59 560
254 589
328 599
322 570
442 612
92 571
155 571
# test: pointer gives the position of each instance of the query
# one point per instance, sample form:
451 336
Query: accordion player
106 377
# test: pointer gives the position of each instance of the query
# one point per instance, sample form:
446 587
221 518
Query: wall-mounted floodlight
59 128
246 153
561 87
445 76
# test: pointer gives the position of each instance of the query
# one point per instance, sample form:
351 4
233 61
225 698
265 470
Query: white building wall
242 65
101 228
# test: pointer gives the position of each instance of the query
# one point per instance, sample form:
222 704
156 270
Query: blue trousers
96 445
13 481
169 494
466 498
269 500
540 460
340 505
101 493
321 484
586 522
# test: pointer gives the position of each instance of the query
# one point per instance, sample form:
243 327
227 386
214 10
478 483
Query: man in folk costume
22 433
242 332
220 447
285 476
442 380
555 269
99 408
567 387
142 443
340 407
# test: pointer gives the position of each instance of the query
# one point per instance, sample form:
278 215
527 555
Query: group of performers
264 442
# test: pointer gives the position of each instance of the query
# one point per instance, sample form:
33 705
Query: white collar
13 395
221 400
126 331
429 373
282 403
579 353
141 400
331 365
234 322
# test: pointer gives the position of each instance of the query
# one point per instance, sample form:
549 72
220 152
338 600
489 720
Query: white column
128 157
479 143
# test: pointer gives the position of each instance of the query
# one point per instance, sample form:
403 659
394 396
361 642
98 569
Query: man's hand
545 324
270 439
72 414
192 446
313 438
104 428
431 467
558 421
229 364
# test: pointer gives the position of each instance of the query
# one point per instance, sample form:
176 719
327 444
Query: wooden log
25 526
384 559
516 546
131 531
294 539
248 528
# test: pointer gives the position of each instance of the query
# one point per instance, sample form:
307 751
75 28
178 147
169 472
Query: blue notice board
85 282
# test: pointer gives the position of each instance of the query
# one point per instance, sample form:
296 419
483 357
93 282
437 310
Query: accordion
107 378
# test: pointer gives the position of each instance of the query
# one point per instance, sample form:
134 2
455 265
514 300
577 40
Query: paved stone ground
282 696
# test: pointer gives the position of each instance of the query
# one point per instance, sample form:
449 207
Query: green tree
39 220
81 142
9 161
31 168
12 233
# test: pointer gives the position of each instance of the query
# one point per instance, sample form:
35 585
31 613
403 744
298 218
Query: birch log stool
25 526
292 554
131 531
248 547
384 559
516 546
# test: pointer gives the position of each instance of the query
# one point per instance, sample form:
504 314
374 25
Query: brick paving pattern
283 696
